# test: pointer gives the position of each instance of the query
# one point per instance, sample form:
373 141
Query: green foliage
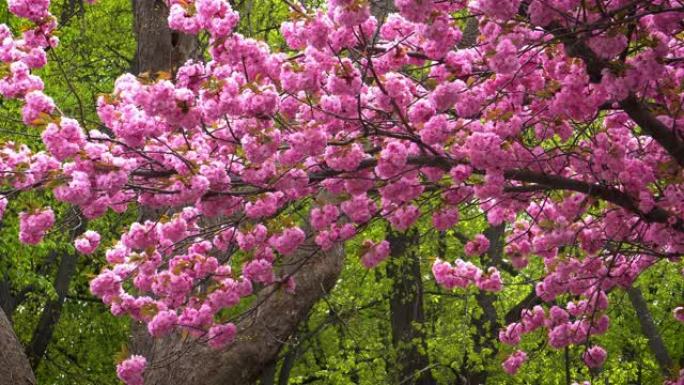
347 338
97 45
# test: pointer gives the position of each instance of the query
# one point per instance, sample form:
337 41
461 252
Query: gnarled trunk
261 334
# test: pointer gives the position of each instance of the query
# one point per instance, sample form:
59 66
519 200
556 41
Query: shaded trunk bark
159 48
261 333
8 300
648 327
287 366
412 366
470 33
14 366
267 377
381 8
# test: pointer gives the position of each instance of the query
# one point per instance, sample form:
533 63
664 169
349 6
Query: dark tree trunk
650 330
470 33
14 367
412 366
159 47
380 8
8 300
287 366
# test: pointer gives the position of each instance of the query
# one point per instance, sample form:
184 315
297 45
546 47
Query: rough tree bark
158 47
412 365
14 366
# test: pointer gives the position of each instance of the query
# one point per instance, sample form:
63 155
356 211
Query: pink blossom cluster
88 242
33 226
374 253
130 371
215 16
513 363
477 246
3 206
573 325
594 357
463 274
33 10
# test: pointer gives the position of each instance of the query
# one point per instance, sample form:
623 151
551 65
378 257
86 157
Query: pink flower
445 219
32 227
290 285
107 283
607 47
288 240
78 191
505 60
37 104
514 361
64 140
131 370
532 319
446 95
87 243
259 270
375 253
392 159
221 335
3 206
477 246
461 275
359 209
490 281
162 323
217 17
403 217
678 313
511 335
499 9
351 15
344 158
34 10
594 357
322 217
